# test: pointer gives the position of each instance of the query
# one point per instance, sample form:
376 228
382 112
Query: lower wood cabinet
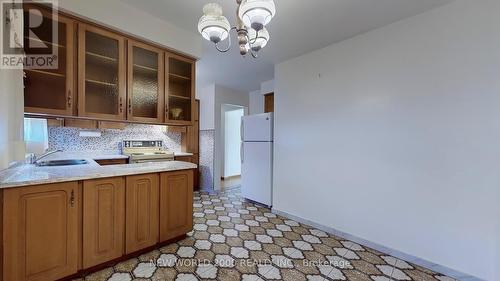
103 220
40 229
184 158
108 162
176 204
141 212
52 231
195 160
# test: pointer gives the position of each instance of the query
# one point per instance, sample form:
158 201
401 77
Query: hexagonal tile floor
237 240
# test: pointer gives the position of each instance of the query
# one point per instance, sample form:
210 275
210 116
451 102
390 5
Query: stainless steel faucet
34 159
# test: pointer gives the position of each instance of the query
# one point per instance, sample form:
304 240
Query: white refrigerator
257 158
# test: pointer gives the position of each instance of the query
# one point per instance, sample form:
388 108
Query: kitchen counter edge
28 175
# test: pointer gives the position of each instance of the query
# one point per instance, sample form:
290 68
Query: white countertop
95 155
110 157
121 156
99 155
27 174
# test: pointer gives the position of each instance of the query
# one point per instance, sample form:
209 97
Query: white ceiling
300 26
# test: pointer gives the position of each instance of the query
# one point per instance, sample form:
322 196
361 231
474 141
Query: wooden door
179 77
103 220
40 223
101 73
146 92
269 102
49 90
141 229
176 204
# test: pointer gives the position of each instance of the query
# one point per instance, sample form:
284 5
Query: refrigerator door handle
241 129
242 153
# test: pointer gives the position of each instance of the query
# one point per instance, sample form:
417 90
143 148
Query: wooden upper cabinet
101 73
193 132
106 75
146 93
141 212
103 220
49 91
176 204
41 227
180 77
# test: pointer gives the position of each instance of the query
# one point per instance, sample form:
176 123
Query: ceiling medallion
252 17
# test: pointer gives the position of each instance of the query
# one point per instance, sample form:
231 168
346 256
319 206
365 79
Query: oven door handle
151 161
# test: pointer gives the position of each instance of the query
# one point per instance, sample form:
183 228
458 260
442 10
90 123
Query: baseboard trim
386 250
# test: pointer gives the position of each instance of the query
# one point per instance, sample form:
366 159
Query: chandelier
252 18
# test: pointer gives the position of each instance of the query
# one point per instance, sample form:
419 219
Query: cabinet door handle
121 105
72 198
166 112
69 98
130 106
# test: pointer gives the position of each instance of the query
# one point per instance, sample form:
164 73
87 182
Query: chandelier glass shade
258 39
213 26
252 18
256 13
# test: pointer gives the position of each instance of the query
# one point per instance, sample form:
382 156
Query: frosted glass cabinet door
49 91
101 73
146 95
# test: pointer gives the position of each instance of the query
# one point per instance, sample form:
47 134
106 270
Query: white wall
267 87
257 97
206 95
393 136
12 147
232 141
224 96
118 15
256 102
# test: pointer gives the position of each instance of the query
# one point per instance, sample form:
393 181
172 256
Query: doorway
231 164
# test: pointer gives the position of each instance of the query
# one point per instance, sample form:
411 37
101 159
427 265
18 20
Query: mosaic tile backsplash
207 147
68 139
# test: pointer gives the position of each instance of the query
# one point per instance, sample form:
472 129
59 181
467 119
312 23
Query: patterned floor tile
236 240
